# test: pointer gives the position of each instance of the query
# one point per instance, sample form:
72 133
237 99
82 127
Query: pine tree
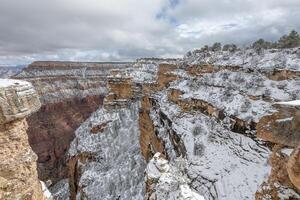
289 41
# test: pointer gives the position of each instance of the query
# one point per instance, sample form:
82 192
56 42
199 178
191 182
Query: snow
249 58
287 151
231 92
157 165
117 169
227 165
12 82
220 164
290 103
45 190
170 183
60 190
285 119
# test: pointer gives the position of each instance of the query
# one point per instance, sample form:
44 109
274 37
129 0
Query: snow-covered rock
110 162
249 58
168 182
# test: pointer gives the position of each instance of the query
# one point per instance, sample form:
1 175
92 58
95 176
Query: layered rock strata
18 173
69 92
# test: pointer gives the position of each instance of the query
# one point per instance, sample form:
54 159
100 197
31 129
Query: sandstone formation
51 131
18 173
293 168
282 127
18 100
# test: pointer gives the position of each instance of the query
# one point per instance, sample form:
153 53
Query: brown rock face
164 75
196 70
18 174
279 75
149 141
52 129
190 105
293 168
278 177
281 127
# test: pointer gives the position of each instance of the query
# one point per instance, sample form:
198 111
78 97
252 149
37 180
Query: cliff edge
18 174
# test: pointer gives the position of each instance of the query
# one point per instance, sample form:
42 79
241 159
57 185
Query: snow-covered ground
12 82
232 92
221 164
249 58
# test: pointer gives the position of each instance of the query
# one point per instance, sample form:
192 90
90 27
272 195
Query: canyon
214 125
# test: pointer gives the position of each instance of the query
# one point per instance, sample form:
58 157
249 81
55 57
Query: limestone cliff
18 173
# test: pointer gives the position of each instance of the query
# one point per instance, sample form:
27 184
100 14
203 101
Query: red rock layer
52 129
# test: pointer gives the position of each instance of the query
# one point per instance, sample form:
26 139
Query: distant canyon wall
69 92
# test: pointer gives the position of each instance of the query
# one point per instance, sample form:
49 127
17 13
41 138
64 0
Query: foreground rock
168 182
293 168
282 127
18 174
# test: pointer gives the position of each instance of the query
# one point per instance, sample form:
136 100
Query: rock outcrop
168 182
18 173
293 168
282 127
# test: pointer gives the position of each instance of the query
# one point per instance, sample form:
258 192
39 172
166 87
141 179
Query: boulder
282 127
18 100
293 168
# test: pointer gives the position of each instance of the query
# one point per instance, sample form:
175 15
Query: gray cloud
98 30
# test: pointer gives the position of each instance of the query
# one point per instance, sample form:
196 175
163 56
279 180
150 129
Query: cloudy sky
113 30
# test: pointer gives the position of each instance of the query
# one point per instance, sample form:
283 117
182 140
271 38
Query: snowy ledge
18 99
12 82
289 103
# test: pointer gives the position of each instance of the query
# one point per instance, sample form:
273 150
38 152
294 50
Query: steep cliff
18 173
69 92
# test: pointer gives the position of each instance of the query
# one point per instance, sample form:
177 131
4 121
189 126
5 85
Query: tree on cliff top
289 41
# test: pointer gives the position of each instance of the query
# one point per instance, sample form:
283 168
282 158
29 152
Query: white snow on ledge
11 82
290 103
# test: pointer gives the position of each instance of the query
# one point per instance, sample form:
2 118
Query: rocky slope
18 173
217 111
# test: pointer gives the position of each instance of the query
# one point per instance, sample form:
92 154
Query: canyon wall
18 172
69 93
216 125
9 71
209 117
